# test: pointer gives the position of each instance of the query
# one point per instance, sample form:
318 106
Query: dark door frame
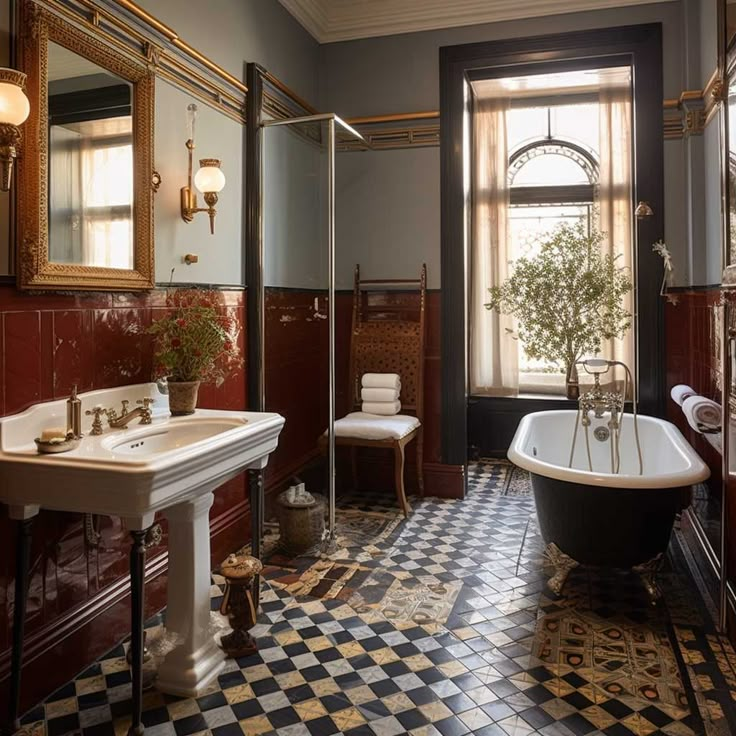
639 46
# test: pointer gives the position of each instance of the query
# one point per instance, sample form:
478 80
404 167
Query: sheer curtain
615 195
494 353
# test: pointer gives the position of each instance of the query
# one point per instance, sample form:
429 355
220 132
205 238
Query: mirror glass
90 163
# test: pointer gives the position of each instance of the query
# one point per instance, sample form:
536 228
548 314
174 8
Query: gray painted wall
231 33
295 216
401 73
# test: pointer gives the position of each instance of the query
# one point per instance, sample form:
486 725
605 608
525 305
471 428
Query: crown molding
329 21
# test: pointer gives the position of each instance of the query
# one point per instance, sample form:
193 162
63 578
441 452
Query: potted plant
567 299
194 343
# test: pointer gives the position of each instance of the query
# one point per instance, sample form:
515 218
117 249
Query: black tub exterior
607 527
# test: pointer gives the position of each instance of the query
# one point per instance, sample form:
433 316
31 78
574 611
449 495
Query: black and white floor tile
442 624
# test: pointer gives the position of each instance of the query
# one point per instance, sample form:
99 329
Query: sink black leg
255 488
22 563
137 574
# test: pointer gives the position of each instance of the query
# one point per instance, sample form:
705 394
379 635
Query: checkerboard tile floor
504 658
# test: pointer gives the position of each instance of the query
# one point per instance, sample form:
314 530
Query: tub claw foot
647 571
563 565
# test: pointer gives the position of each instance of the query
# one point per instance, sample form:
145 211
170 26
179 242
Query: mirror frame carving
35 271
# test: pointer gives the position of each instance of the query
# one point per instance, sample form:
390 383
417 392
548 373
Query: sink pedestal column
197 659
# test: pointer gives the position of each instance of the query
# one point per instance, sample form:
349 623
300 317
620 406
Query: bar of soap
53 433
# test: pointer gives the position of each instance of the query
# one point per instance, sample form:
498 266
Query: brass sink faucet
122 421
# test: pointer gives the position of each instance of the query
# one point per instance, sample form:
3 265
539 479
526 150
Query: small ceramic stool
237 604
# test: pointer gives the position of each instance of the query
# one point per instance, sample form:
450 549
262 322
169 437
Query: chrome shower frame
332 121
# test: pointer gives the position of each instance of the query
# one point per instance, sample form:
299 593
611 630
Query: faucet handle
97 413
125 404
146 414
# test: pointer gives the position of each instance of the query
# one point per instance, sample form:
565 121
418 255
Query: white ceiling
343 20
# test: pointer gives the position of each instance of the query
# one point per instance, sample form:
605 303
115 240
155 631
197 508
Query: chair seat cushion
359 425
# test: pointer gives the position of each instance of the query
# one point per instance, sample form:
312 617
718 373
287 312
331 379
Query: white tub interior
543 442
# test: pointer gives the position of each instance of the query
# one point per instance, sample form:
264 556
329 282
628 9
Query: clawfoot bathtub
597 517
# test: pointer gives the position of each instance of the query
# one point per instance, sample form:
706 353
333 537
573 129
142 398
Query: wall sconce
14 109
643 210
209 179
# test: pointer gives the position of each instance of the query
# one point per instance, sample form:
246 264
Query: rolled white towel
680 392
382 380
379 394
383 408
701 412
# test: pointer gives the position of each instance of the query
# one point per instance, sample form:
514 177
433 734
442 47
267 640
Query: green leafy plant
567 299
196 340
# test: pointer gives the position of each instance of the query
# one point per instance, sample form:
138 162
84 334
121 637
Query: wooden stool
237 604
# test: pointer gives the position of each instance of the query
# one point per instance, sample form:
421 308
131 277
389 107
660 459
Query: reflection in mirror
90 173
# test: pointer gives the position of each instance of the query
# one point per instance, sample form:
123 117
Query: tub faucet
122 421
599 402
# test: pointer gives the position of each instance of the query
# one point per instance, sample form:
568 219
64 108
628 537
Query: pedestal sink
172 465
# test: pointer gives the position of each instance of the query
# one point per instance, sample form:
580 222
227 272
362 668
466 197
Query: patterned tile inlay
440 625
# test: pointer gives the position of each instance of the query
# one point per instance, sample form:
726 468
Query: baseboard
56 653
444 481
376 473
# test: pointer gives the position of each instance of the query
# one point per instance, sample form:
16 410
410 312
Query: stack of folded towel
380 393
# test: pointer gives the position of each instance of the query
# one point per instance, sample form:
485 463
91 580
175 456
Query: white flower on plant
661 249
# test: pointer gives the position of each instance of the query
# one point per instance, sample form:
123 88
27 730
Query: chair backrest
388 335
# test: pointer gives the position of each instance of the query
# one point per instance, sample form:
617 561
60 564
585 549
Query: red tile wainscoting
77 603
692 358
297 384
376 468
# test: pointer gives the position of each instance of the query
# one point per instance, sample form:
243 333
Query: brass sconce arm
14 109
209 179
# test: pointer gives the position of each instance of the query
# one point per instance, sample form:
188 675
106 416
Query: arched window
551 181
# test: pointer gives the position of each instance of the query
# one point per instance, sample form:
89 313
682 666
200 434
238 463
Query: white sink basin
167 437
131 472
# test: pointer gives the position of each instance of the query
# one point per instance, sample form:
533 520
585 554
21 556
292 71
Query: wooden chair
388 336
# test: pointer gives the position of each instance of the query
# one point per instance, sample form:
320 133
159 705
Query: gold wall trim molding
686 115
136 34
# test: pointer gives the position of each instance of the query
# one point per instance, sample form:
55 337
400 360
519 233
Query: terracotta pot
183 397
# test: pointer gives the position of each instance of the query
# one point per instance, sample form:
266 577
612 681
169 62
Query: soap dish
51 447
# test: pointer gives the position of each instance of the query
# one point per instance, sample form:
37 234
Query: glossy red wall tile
692 349
48 343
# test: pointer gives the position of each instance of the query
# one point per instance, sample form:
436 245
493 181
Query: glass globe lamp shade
209 178
14 105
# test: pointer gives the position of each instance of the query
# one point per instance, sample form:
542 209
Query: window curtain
494 352
615 198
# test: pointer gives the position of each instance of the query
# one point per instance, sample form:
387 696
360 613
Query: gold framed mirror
85 194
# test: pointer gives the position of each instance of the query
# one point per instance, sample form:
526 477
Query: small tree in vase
567 299
194 343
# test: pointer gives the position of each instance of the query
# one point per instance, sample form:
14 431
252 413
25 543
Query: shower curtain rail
316 118
332 120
